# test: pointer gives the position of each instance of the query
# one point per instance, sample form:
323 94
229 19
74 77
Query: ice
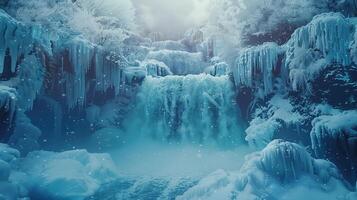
156 68
25 136
8 102
326 39
218 69
179 62
71 175
192 108
254 62
281 171
262 130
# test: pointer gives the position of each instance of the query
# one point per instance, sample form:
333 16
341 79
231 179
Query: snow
192 108
255 62
262 129
71 175
281 171
179 62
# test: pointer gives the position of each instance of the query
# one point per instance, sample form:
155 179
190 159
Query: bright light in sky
169 17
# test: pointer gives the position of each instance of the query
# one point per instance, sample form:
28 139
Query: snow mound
283 170
179 62
68 175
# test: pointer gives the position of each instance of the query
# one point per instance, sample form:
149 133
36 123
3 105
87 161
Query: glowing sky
171 17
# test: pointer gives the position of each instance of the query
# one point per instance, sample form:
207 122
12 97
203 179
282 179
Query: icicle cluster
192 108
325 40
256 62
18 40
85 56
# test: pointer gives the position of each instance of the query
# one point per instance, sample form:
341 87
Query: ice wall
192 108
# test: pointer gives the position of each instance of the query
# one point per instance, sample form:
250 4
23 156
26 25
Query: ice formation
156 68
255 66
282 170
326 39
193 108
8 102
179 62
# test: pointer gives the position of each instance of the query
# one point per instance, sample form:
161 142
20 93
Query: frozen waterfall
193 108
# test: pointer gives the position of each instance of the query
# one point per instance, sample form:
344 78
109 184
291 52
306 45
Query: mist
170 18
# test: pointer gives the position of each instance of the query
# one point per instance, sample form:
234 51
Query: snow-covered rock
334 137
268 121
169 45
281 171
67 175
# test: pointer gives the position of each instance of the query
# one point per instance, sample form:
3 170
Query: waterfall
197 109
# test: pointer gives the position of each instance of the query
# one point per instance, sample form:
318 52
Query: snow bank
179 62
268 120
256 62
281 171
67 175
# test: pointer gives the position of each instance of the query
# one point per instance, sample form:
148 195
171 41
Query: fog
170 18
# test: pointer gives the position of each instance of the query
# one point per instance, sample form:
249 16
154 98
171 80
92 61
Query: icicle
260 60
